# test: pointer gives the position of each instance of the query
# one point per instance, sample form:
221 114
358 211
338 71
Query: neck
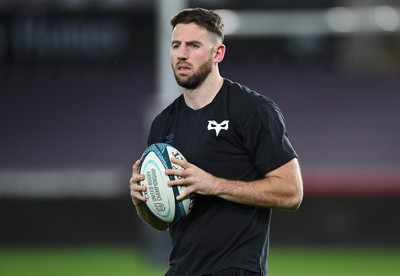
203 94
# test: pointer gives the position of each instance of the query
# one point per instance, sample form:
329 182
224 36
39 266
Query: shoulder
163 120
172 108
246 99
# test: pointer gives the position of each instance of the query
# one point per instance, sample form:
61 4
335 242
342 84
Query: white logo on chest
213 125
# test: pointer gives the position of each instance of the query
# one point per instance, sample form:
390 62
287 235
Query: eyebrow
187 42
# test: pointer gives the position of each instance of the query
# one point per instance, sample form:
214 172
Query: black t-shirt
240 135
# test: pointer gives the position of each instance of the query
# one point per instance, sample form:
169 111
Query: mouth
183 68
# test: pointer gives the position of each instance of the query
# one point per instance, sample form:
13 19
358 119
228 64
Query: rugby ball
161 199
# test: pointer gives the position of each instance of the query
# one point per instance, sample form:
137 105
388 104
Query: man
240 162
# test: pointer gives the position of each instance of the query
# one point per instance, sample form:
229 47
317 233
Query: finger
137 188
136 178
184 193
180 173
180 162
135 168
138 199
137 192
177 182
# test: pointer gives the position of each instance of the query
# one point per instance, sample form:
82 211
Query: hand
195 179
136 189
140 201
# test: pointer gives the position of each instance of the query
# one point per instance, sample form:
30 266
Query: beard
193 81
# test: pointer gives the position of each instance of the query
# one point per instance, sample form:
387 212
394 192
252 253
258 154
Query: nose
182 53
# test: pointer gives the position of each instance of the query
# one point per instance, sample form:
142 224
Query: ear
219 53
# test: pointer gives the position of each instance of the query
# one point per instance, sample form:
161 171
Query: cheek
172 56
200 58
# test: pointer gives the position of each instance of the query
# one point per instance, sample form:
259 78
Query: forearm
281 188
276 190
265 193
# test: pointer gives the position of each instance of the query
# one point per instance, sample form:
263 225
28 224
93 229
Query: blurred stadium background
79 80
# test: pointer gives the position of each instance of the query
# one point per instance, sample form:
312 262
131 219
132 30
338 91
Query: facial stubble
194 80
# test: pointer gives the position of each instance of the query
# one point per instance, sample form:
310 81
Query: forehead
190 32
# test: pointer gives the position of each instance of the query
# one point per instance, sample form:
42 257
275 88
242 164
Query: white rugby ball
161 199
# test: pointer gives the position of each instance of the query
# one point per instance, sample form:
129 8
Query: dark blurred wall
78 86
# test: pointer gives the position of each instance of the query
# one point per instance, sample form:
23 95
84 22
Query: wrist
139 203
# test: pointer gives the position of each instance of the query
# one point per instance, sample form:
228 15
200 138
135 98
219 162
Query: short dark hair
202 17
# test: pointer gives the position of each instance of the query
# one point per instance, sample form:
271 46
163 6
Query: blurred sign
47 183
69 38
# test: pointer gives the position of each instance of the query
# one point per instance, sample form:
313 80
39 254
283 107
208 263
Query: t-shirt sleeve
151 138
266 138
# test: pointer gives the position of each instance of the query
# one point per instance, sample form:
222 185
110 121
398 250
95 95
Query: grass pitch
122 261
363 261
98 261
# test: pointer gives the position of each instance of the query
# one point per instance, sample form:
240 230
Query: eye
194 46
175 46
